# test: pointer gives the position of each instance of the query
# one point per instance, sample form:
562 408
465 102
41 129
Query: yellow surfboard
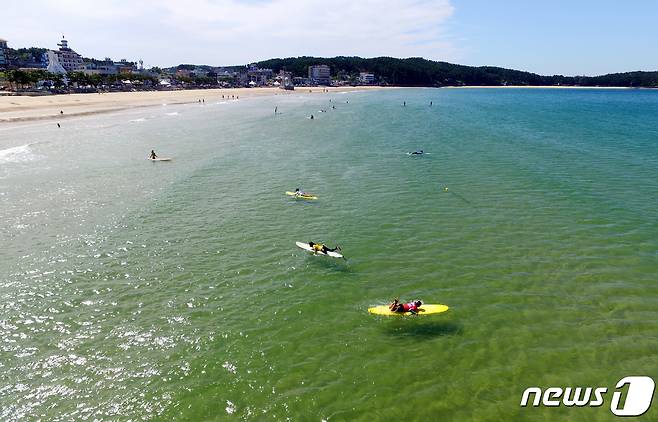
423 310
305 196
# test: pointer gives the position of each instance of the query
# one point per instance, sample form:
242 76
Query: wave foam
20 154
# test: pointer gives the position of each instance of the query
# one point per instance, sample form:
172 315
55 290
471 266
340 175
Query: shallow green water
138 290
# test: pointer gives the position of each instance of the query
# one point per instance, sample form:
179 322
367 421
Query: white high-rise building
66 58
319 74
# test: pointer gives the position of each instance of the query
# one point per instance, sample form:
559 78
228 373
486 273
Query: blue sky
552 37
549 37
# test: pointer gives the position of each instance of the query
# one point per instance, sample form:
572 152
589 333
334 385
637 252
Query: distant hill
417 71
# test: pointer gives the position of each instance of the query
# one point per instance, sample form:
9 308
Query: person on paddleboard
319 247
152 156
412 307
300 193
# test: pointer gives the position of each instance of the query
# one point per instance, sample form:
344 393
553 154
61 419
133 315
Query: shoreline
17 109
14 109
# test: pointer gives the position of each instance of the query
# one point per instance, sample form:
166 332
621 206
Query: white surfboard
307 247
159 159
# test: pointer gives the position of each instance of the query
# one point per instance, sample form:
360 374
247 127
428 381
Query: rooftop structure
319 74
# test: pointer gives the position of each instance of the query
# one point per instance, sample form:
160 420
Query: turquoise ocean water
133 290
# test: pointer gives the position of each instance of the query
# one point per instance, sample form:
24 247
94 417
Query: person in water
319 247
420 152
312 117
413 307
152 156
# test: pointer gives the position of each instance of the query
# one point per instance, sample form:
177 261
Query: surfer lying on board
299 193
152 156
420 152
319 247
412 307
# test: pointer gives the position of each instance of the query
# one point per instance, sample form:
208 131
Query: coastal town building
124 66
366 78
299 81
69 59
285 80
100 68
226 77
4 60
319 74
257 76
109 67
63 60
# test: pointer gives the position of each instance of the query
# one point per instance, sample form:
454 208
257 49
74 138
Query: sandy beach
26 108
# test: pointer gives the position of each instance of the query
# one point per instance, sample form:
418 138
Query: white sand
25 108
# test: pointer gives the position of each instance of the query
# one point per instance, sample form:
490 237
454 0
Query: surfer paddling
320 248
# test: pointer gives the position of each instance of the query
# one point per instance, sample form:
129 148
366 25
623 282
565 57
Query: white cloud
167 32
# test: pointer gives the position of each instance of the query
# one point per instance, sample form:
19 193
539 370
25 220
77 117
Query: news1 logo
637 399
